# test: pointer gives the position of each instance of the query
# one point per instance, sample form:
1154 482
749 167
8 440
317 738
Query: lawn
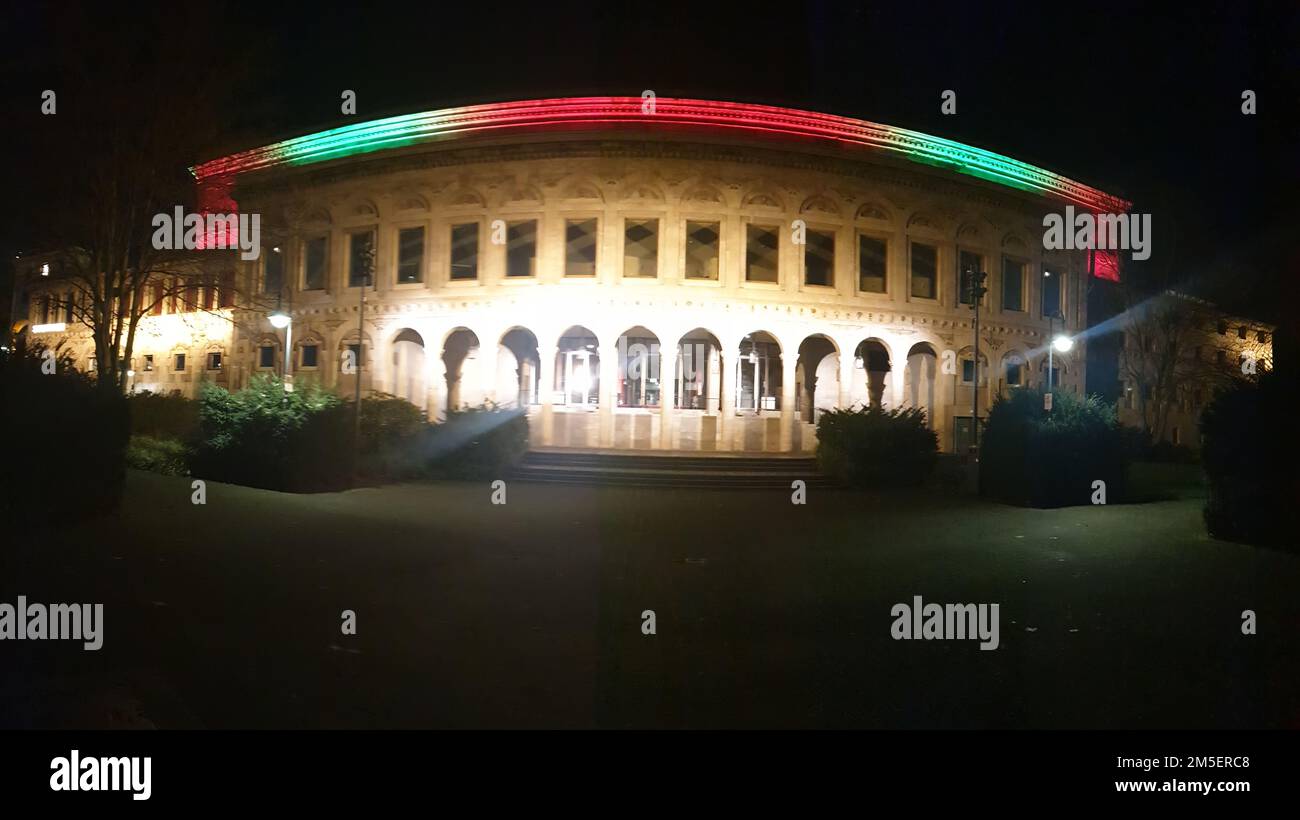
529 613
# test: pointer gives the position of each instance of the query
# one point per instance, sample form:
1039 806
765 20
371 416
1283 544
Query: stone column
610 369
487 366
546 390
846 381
667 386
435 385
789 365
727 398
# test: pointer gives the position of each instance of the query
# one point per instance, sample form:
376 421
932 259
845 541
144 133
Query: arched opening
639 375
407 376
699 371
817 377
577 369
460 347
870 370
518 369
758 373
1014 371
919 380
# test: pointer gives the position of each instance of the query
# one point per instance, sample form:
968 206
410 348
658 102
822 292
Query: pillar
611 368
487 367
846 381
667 407
789 367
727 400
435 385
546 390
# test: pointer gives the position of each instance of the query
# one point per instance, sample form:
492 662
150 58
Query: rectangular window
521 248
410 255
1223 328
310 354
191 297
156 299
148 362
925 268
580 247
209 292
819 258
702 250
967 263
361 258
1013 373
1262 337
214 361
178 362
266 356
315 259
1241 332
272 270
967 371
355 349
871 264
1013 284
67 308
464 251
762 253
641 248
1051 293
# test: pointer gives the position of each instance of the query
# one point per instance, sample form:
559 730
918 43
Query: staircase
633 469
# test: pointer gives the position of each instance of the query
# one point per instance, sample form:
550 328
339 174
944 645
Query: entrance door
580 378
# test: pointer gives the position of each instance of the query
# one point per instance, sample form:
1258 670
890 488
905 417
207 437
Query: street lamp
283 321
1060 342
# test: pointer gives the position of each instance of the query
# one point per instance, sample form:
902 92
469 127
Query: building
663 274
1176 351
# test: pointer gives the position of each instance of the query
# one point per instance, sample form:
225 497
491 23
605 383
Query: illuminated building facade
645 274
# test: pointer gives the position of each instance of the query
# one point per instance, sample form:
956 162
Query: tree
132 118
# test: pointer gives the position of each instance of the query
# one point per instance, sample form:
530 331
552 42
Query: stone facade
766 331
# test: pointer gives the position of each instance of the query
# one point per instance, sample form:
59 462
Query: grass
529 614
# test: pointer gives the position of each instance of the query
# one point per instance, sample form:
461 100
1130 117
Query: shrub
65 441
477 443
262 436
164 417
1032 457
392 432
166 456
872 447
1249 450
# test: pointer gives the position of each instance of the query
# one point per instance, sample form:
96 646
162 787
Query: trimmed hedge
1249 450
1035 458
262 436
161 416
304 441
871 447
165 456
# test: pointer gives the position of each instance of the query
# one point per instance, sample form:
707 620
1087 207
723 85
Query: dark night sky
1135 99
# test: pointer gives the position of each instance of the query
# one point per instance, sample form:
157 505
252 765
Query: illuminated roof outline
565 113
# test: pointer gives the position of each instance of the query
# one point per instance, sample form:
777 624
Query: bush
872 447
164 417
392 433
1249 452
479 443
166 456
65 441
262 436
1036 458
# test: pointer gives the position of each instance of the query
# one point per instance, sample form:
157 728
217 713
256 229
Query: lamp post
1060 342
975 290
281 320
366 277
